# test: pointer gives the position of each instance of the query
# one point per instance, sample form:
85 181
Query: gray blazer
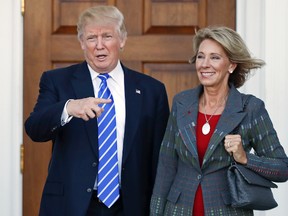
179 172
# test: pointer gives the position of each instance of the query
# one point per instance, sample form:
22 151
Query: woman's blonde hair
235 48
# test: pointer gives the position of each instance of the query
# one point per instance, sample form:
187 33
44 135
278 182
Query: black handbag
249 190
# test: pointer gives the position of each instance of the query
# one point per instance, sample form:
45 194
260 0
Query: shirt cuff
65 117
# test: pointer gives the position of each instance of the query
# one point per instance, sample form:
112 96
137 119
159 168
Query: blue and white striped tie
108 175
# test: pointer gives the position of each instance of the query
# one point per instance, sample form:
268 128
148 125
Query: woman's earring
231 71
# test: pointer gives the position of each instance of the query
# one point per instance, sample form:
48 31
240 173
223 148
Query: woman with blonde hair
208 125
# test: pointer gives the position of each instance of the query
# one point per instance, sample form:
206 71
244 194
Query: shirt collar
115 74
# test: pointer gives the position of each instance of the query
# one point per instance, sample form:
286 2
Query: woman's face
212 64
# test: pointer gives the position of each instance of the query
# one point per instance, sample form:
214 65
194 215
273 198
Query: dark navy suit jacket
73 166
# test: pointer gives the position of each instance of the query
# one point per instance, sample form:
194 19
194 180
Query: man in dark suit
68 111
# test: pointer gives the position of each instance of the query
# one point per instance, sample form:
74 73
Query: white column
250 25
11 107
263 24
276 83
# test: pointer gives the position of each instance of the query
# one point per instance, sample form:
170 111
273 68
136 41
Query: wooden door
159 44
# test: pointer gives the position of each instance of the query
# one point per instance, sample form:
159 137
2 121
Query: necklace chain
207 120
203 104
206 127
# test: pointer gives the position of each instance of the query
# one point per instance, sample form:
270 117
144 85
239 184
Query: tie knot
104 76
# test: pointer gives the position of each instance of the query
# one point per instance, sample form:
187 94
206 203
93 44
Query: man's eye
91 38
107 37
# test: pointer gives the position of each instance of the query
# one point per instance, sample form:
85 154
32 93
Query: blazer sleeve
166 169
269 159
159 126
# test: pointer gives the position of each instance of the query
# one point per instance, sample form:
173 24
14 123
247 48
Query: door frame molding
11 124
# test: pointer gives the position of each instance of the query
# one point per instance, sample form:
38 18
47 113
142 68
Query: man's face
101 45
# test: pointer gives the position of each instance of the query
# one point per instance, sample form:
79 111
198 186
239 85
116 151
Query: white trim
263 25
250 25
11 95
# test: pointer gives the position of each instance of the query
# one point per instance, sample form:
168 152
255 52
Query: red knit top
202 144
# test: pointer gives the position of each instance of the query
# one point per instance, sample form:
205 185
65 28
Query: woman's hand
233 145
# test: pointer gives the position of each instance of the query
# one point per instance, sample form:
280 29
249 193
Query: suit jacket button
53 129
89 190
199 177
94 164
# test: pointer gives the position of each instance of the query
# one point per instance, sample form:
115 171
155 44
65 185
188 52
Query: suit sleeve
269 159
167 166
45 120
160 126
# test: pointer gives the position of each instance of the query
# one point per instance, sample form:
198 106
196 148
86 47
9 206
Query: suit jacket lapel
83 88
187 111
134 100
228 122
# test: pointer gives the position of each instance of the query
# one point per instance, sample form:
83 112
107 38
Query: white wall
276 85
263 25
10 108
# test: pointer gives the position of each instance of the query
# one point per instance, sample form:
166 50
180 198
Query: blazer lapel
83 88
187 119
228 122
